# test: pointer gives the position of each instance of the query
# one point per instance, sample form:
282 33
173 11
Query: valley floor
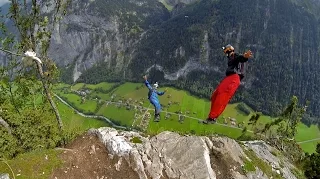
127 105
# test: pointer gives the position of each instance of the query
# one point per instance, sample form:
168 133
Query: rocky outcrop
165 155
265 152
170 155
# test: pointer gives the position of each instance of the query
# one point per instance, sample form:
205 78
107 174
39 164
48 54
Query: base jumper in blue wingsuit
153 98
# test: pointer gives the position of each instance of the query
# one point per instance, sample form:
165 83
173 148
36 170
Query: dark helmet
228 49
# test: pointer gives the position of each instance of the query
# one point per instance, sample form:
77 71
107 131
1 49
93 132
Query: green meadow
174 101
72 121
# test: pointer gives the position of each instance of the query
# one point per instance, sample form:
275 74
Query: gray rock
258 174
170 155
165 155
263 151
228 147
4 176
183 157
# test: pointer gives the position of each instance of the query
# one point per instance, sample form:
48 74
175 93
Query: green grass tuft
136 140
248 166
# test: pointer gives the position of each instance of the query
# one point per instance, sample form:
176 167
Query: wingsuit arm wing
242 59
160 93
148 84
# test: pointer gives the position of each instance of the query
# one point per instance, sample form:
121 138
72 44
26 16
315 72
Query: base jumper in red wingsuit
228 86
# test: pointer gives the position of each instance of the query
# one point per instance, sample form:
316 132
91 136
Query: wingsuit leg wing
222 95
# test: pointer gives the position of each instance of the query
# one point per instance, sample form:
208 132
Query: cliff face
170 155
102 31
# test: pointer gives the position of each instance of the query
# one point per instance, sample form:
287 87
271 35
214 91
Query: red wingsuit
228 86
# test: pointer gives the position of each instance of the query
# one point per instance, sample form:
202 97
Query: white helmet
156 85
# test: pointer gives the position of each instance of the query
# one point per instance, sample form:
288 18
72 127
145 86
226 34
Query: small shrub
136 140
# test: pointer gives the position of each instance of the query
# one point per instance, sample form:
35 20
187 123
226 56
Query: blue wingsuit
153 97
